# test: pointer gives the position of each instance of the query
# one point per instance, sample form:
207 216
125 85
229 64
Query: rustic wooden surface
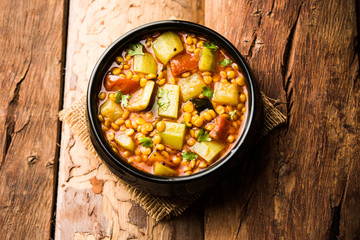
302 182
31 45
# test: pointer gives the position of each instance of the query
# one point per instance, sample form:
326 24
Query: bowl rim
143 30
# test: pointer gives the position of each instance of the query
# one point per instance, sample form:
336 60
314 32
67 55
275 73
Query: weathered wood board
31 46
93 26
303 182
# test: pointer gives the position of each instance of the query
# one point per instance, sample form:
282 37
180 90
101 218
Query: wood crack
244 212
334 231
10 118
286 66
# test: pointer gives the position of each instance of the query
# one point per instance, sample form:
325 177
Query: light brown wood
93 26
30 74
302 182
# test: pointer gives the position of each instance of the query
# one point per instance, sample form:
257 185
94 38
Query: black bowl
183 185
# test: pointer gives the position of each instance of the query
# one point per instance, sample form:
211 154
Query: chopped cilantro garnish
211 46
188 156
146 142
231 114
207 92
163 101
203 136
225 62
124 98
135 49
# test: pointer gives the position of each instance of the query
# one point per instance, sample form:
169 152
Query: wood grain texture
82 214
301 183
30 73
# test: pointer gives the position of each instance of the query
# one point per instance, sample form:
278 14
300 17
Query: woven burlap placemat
157 207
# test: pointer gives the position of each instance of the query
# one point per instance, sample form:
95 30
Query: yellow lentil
129 131
125 115
150 76
188 107
160 147
101 118
242 98
185 74
102 96
115 126
160 126
107 123
230 139
230 74
116 71
140 121
207 116
220 109
209 127
119 59
191 141
157 139
161 82
112 96
119 122
143 82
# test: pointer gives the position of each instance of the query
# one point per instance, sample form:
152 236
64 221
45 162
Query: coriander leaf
135 49
123 98
146 142
188 156
163 101
207 92
225 62
211 46
231 114
203 136
118 96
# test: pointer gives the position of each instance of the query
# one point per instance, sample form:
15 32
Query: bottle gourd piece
166 46
207 60
162 170
226 93
208 150
142 100
125 142
111 109
173 135
145 64
173 95
191 86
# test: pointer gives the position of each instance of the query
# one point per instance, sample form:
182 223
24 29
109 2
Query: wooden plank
30 74
93 26
303 182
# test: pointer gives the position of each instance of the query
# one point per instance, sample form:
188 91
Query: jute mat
157 207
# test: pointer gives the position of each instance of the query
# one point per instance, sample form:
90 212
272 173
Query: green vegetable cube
111 110
145 63
226 93
125 142
191 86
141 99
208 150
166 46
173 135
162 170
173 95
207 60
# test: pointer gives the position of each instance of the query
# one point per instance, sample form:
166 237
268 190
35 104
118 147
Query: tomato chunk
120 83
220 129
183 62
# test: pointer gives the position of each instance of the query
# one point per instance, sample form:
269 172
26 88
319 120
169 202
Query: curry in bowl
172 103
